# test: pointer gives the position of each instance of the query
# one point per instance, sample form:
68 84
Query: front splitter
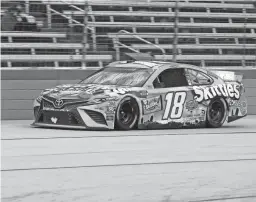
45 125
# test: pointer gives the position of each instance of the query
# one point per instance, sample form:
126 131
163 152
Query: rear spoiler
229 76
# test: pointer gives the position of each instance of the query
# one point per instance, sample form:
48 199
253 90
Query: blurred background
92 33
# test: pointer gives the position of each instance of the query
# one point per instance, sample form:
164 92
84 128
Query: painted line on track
226 198
131 135
129 164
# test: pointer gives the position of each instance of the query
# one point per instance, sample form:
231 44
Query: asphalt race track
43 165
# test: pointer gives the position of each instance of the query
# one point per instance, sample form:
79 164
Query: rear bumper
234 118
237 109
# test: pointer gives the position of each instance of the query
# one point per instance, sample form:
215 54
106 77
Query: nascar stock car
144 95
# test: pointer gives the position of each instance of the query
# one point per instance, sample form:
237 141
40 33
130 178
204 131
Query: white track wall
20 88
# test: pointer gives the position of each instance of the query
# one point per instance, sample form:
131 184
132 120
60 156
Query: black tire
216 113
127 114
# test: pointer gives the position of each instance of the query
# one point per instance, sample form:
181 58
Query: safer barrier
21 87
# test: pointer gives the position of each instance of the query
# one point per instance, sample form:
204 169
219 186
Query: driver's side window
174 77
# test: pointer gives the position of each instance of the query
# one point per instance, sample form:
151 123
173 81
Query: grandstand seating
228 29
30 49
219 33
192 15
36 36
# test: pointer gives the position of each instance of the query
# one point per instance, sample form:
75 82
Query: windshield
135 77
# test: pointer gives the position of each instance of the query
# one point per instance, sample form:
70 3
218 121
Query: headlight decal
39 98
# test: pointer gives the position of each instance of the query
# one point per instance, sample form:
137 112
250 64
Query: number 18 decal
174 105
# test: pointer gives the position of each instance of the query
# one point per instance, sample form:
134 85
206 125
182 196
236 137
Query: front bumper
84 117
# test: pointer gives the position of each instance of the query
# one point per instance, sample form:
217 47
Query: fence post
85 34
27 6
49 15
116 47
176 30
94 39
244 41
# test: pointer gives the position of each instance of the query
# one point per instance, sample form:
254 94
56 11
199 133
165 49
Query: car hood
86 91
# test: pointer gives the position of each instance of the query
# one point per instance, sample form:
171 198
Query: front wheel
216 113
127 114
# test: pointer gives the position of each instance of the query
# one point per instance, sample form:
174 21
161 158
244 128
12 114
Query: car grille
67 106
61 118
96 116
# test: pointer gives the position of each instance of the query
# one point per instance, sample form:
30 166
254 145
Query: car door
195 110
172 90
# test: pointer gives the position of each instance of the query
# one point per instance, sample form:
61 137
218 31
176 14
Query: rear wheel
127 114
216 113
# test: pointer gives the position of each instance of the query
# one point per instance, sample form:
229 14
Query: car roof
134 63
151 64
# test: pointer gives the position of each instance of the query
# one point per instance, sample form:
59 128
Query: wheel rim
127 113
217 112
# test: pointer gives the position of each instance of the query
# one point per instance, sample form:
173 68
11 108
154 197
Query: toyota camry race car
144 95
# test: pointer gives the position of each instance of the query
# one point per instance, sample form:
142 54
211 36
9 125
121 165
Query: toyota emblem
58 103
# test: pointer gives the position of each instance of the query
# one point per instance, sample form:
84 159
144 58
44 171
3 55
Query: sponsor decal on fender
194 119
151 105
237 103
110 117
110 109
241 105
224 90
197 114
191 105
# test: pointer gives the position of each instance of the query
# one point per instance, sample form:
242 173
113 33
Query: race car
129 95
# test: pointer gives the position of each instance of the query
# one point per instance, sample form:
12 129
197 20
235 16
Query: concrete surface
134 166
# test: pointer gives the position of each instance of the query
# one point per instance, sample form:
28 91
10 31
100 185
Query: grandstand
211 34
